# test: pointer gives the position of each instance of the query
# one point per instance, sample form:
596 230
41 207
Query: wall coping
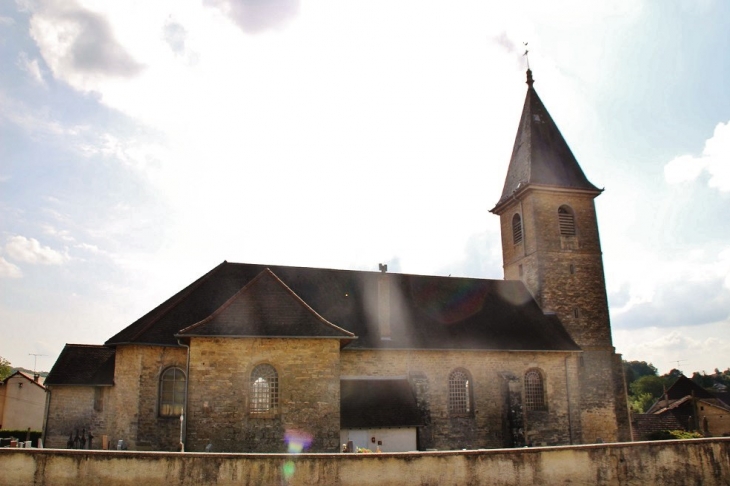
360 456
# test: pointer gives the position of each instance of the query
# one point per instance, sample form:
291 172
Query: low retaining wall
701 461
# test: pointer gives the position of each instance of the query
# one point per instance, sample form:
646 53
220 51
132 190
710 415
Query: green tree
5 368
636 369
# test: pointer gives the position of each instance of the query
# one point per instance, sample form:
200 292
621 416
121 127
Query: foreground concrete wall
702 462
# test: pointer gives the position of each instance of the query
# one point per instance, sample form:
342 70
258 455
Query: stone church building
251 358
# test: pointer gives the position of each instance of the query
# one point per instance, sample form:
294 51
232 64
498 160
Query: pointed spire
541 155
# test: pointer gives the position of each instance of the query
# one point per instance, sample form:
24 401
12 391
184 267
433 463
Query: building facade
263 358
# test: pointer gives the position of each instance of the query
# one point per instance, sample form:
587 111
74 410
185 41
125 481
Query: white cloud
686 348
8 270
79 44
31 67
714 160
29 250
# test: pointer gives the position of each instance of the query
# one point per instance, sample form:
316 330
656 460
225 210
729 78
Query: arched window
534 391
566 219
172 392
264 389
516 229
460 390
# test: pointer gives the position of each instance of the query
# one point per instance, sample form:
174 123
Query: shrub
673 434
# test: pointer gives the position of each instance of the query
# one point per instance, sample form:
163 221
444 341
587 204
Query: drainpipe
567 391
45 416
183 419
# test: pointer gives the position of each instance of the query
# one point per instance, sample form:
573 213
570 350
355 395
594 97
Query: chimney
35 377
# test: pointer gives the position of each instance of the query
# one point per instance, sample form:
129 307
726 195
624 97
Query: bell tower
550 241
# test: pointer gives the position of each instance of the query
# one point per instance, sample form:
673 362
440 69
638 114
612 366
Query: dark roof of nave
540 154
83 364
425 312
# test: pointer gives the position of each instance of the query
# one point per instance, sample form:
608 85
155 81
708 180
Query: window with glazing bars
534 391
566 221
459 393
172 392
516 229
264 389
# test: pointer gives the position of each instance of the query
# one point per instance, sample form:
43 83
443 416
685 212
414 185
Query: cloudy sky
142 143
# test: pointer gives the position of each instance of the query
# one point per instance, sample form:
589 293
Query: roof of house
83 364
265 306
540 155
424 312
643 425
367 403
23 375
683 391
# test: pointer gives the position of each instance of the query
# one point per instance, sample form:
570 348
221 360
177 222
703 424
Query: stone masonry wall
309 394
133 412
486 427
71 409
669 463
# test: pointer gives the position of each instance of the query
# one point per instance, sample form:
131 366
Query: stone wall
309 394
128 410
670 463
487 426
71 409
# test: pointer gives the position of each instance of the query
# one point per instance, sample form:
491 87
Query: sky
143 143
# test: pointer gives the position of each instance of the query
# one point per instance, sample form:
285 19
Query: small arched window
566 220
516 229
264 389
172 392
460 392
534 390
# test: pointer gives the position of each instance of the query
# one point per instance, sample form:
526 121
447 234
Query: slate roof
83 364
266 307
366 403
425 312
540 155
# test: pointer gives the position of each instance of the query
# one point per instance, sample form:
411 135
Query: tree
5 368
636 369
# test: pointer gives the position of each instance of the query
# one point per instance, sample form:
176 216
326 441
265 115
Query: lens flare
296 441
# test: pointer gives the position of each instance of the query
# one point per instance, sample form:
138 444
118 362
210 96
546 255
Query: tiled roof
83 364
643 425
26 376
424 312
265 307
541 155
367 403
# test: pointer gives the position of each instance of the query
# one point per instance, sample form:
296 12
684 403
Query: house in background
685 406
250 357
22 402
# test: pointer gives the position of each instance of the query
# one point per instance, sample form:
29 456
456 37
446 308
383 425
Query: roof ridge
181 297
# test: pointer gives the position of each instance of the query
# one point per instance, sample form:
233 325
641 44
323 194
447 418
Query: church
270 358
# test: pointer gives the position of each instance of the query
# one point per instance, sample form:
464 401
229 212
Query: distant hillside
29 372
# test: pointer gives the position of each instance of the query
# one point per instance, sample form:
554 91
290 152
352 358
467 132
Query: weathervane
526 56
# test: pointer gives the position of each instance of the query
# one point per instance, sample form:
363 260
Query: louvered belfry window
459 393
567 221
517 229
264 389
534 391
